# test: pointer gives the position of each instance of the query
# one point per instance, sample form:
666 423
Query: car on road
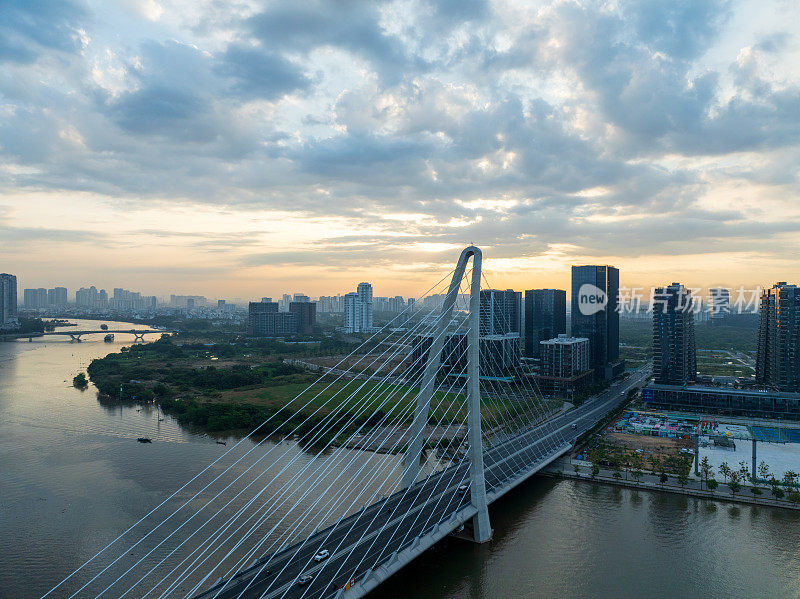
574 426
463 489
304 580
322 555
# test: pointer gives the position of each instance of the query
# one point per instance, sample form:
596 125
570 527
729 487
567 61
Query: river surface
73 477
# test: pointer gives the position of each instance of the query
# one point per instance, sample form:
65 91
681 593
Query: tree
706 472
733 484
637 474
755 491
789 478
725 471
744 472
763 470
776 490
79 381
576 468
617 472
663 478
595 470
683 478
711 484
655 465
794 497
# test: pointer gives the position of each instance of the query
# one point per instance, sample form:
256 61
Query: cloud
352 25
261 74
28 29
12 237
605 127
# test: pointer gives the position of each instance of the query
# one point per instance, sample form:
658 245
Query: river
72 478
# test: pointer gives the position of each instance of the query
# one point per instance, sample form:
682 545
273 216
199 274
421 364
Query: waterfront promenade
565 468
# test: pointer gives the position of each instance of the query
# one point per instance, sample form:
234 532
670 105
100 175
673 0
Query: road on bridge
370 537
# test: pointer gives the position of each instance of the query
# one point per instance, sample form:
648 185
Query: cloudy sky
245 148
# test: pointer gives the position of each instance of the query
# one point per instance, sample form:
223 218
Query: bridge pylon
481 525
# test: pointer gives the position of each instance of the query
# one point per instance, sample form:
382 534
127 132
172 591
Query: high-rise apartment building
34 299
91 297
778 352
330 303
305 313
674 351
8 301
564 365
127 301
352 313
284 302
564 357
595 292
358 310
264 319
545 317
57 297
397 304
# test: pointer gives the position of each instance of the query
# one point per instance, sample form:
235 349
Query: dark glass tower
600 326
674 350
545 317
500 330
777 358
500 312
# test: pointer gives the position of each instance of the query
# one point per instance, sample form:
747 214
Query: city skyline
632 293
660 138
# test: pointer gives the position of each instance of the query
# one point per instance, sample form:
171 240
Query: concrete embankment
565 468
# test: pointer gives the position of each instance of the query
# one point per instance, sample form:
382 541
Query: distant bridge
138 334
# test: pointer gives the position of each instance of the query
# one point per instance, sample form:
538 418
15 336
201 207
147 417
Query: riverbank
565 468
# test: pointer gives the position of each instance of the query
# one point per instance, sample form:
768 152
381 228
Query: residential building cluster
41 298
92 302
775 390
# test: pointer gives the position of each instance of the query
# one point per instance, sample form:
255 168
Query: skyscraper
674 351
500 312
500 327
595 291
8 301
545 317
777 358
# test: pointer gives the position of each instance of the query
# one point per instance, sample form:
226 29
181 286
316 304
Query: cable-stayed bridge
459 422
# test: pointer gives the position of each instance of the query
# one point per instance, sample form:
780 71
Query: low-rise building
754 403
